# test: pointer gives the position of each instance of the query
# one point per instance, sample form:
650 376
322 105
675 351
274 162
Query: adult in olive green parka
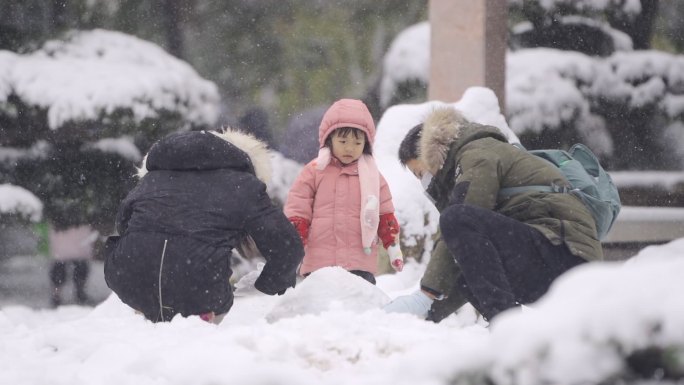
495 252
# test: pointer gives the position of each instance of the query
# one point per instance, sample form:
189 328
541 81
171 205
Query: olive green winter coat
460 153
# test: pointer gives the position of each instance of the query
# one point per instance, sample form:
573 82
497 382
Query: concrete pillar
467 47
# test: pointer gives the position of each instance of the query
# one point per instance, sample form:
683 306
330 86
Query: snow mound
330 288
596 317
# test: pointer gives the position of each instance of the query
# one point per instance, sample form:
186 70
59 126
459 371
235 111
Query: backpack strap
508 192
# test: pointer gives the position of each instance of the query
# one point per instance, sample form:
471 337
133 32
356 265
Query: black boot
56 298
81 271
57 277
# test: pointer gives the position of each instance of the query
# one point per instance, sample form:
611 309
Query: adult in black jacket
201 195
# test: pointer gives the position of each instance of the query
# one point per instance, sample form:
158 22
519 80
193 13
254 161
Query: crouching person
505 250
200 195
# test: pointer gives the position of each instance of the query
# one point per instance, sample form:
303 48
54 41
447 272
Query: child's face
347 149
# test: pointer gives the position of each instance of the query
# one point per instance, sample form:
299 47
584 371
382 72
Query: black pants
365 275
79 275
504 262
194 275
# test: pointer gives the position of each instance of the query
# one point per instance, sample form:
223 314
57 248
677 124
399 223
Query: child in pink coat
340 203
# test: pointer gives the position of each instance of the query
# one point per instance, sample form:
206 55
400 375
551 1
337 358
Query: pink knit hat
353 113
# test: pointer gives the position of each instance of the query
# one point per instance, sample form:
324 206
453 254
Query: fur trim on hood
440 129
256 150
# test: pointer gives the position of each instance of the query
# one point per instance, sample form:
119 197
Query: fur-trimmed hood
201 150
442 128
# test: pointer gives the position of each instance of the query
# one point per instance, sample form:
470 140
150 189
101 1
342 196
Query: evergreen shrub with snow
77 113
627 105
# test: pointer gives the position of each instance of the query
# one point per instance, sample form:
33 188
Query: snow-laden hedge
20 203
77 114
628 107
90 75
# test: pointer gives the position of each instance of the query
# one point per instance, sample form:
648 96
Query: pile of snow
583 331
335 289
594 317
15 200
94 73
417 215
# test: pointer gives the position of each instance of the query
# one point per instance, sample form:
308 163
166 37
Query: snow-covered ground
330 330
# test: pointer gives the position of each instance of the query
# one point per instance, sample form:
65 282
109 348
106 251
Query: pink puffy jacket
330 199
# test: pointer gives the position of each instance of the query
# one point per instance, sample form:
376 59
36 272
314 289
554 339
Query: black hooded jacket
199 199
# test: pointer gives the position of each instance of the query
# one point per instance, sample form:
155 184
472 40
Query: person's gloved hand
416 303
245 286
388 228
302 226
396 257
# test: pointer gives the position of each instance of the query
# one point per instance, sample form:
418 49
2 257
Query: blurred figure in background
73 246
299 142
255 122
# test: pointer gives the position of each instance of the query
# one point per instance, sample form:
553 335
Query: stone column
467 47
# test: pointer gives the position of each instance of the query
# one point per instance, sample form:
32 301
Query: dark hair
408 149
344 131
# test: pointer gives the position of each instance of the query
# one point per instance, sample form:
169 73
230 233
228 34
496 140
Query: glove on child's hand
416 303
388 228
396 257
302 226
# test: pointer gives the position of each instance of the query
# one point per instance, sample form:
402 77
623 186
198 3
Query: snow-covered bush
95 84
18 203
18 208
630 7
572 33
627 107
406 66
77 113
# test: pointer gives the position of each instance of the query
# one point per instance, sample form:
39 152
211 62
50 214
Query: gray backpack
590 182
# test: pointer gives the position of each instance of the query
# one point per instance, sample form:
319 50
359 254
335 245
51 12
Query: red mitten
302 226
388 228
